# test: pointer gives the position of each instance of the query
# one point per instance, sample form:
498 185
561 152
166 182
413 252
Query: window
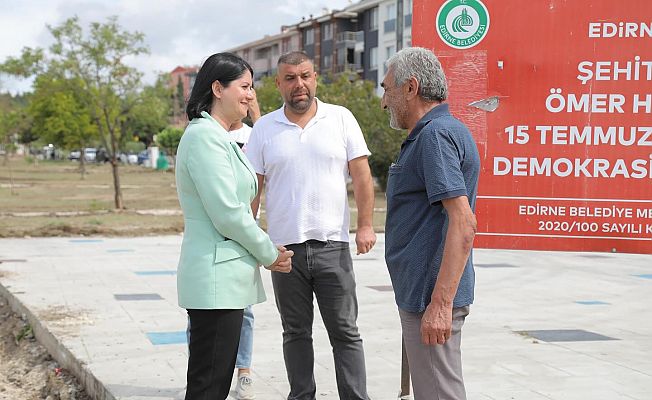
310 37
328 31
373 58
373 19
391 12
389 51
390 20
262 54
327 62
408 13
341 57
408 21
285 46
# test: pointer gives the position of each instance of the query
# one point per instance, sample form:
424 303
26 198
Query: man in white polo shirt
304 153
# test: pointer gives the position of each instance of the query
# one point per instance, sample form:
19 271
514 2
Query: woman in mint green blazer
218 273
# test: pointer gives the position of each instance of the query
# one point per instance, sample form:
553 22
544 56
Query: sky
178 32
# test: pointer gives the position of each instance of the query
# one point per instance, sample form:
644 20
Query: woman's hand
283 262
254 108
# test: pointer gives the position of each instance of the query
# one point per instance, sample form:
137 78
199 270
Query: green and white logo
462 24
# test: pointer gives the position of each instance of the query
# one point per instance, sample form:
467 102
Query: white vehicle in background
90 153
128 158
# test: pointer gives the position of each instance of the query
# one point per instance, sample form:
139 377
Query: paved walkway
106 308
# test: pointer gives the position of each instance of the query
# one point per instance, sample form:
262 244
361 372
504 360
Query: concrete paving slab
68 288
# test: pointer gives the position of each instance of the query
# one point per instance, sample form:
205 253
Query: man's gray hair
424 66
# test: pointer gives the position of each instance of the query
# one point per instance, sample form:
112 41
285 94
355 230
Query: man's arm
363 191
438 318
255 203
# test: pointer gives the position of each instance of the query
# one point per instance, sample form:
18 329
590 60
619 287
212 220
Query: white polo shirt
306 172
241 135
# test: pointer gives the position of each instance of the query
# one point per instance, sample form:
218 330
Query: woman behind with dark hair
218 274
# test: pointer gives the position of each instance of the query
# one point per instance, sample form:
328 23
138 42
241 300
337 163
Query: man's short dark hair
293 58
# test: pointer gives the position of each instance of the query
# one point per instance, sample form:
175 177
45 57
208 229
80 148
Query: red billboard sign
558 95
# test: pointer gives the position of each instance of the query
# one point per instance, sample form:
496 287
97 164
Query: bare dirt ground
27 372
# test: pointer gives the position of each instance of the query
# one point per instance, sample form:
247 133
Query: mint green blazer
222 244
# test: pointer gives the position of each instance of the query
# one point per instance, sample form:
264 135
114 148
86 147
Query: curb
94 388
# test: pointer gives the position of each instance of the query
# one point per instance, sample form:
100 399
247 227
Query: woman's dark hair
222 67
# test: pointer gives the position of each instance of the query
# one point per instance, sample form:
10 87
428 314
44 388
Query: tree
9 125
360 97
151 113
269 99
14 124
96 61
169 139
61 116
181 101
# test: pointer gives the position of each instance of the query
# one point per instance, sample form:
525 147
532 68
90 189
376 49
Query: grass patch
110 224
56 186
24 333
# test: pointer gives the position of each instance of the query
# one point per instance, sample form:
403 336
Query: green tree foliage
169 139
61 116
95 61
181 101
150 114
359 97
15 124
9 126
269 99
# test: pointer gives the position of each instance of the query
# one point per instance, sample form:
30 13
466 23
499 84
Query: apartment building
386 27
263 54
331 40
356 40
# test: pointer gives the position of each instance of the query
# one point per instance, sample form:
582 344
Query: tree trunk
29 152
82 163
116 183
11 174
114 168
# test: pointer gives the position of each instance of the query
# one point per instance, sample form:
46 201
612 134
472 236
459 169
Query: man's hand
365 239
283 262
436 324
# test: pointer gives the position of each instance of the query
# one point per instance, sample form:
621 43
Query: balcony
349 39
348 67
